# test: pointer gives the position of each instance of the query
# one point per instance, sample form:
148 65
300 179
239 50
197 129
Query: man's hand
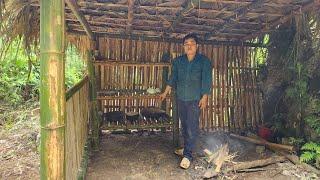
203 101
164 94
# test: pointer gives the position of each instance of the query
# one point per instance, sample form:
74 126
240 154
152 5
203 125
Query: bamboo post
95 118
165 75
52 90
175 120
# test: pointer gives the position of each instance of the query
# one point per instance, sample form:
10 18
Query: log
248 165
257 163
264 142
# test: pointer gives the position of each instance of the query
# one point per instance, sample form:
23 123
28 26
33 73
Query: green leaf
307 156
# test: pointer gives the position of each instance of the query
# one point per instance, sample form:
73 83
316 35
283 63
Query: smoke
215 140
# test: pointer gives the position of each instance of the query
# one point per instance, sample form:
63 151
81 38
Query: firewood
217 158
222 156
247 165
210 155
264 142
257 163
291 157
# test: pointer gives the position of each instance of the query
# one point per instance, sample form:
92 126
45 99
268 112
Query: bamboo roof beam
158 37
290 15
154 29
72 4
130 14
158 26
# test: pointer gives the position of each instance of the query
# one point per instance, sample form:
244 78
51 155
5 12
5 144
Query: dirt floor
138 156
19 157
150 156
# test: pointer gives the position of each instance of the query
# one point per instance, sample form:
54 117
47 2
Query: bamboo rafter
75 9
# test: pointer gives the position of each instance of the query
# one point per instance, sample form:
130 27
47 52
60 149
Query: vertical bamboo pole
238 90
175 120
232 87
52 90
215 88
227 96
94 105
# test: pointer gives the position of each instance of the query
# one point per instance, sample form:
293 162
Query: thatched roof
217 20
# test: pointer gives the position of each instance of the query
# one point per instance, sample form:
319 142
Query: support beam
240 12
313 4
169 39
75 9
95 118
130 15
52 90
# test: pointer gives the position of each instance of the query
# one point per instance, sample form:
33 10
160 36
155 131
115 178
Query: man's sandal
179 152
185 163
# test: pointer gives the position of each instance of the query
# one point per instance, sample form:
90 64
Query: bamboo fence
78 113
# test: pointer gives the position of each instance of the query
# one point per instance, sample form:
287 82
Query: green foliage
20 72
311 153
75 67
314 122
17 83
313 111
260 54
298 90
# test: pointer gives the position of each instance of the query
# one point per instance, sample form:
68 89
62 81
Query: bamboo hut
129 45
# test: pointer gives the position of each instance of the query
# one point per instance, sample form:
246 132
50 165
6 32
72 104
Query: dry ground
19 157
128 156
150 156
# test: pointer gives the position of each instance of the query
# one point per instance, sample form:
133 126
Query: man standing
191 77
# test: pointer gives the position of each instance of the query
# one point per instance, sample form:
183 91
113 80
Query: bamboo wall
78 113
235 101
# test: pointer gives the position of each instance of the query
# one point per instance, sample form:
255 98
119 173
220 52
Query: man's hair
191 36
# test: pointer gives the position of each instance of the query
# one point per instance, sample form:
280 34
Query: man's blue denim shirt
191 79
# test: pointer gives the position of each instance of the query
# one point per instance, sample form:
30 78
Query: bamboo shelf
130 126
105 62
129 97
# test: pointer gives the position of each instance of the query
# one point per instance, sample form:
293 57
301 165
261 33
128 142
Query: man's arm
171 82
206 83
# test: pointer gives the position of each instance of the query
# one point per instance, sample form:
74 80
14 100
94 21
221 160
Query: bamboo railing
235 102
77 121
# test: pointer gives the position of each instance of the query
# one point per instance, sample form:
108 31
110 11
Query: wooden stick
247 165
257 163
264 142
